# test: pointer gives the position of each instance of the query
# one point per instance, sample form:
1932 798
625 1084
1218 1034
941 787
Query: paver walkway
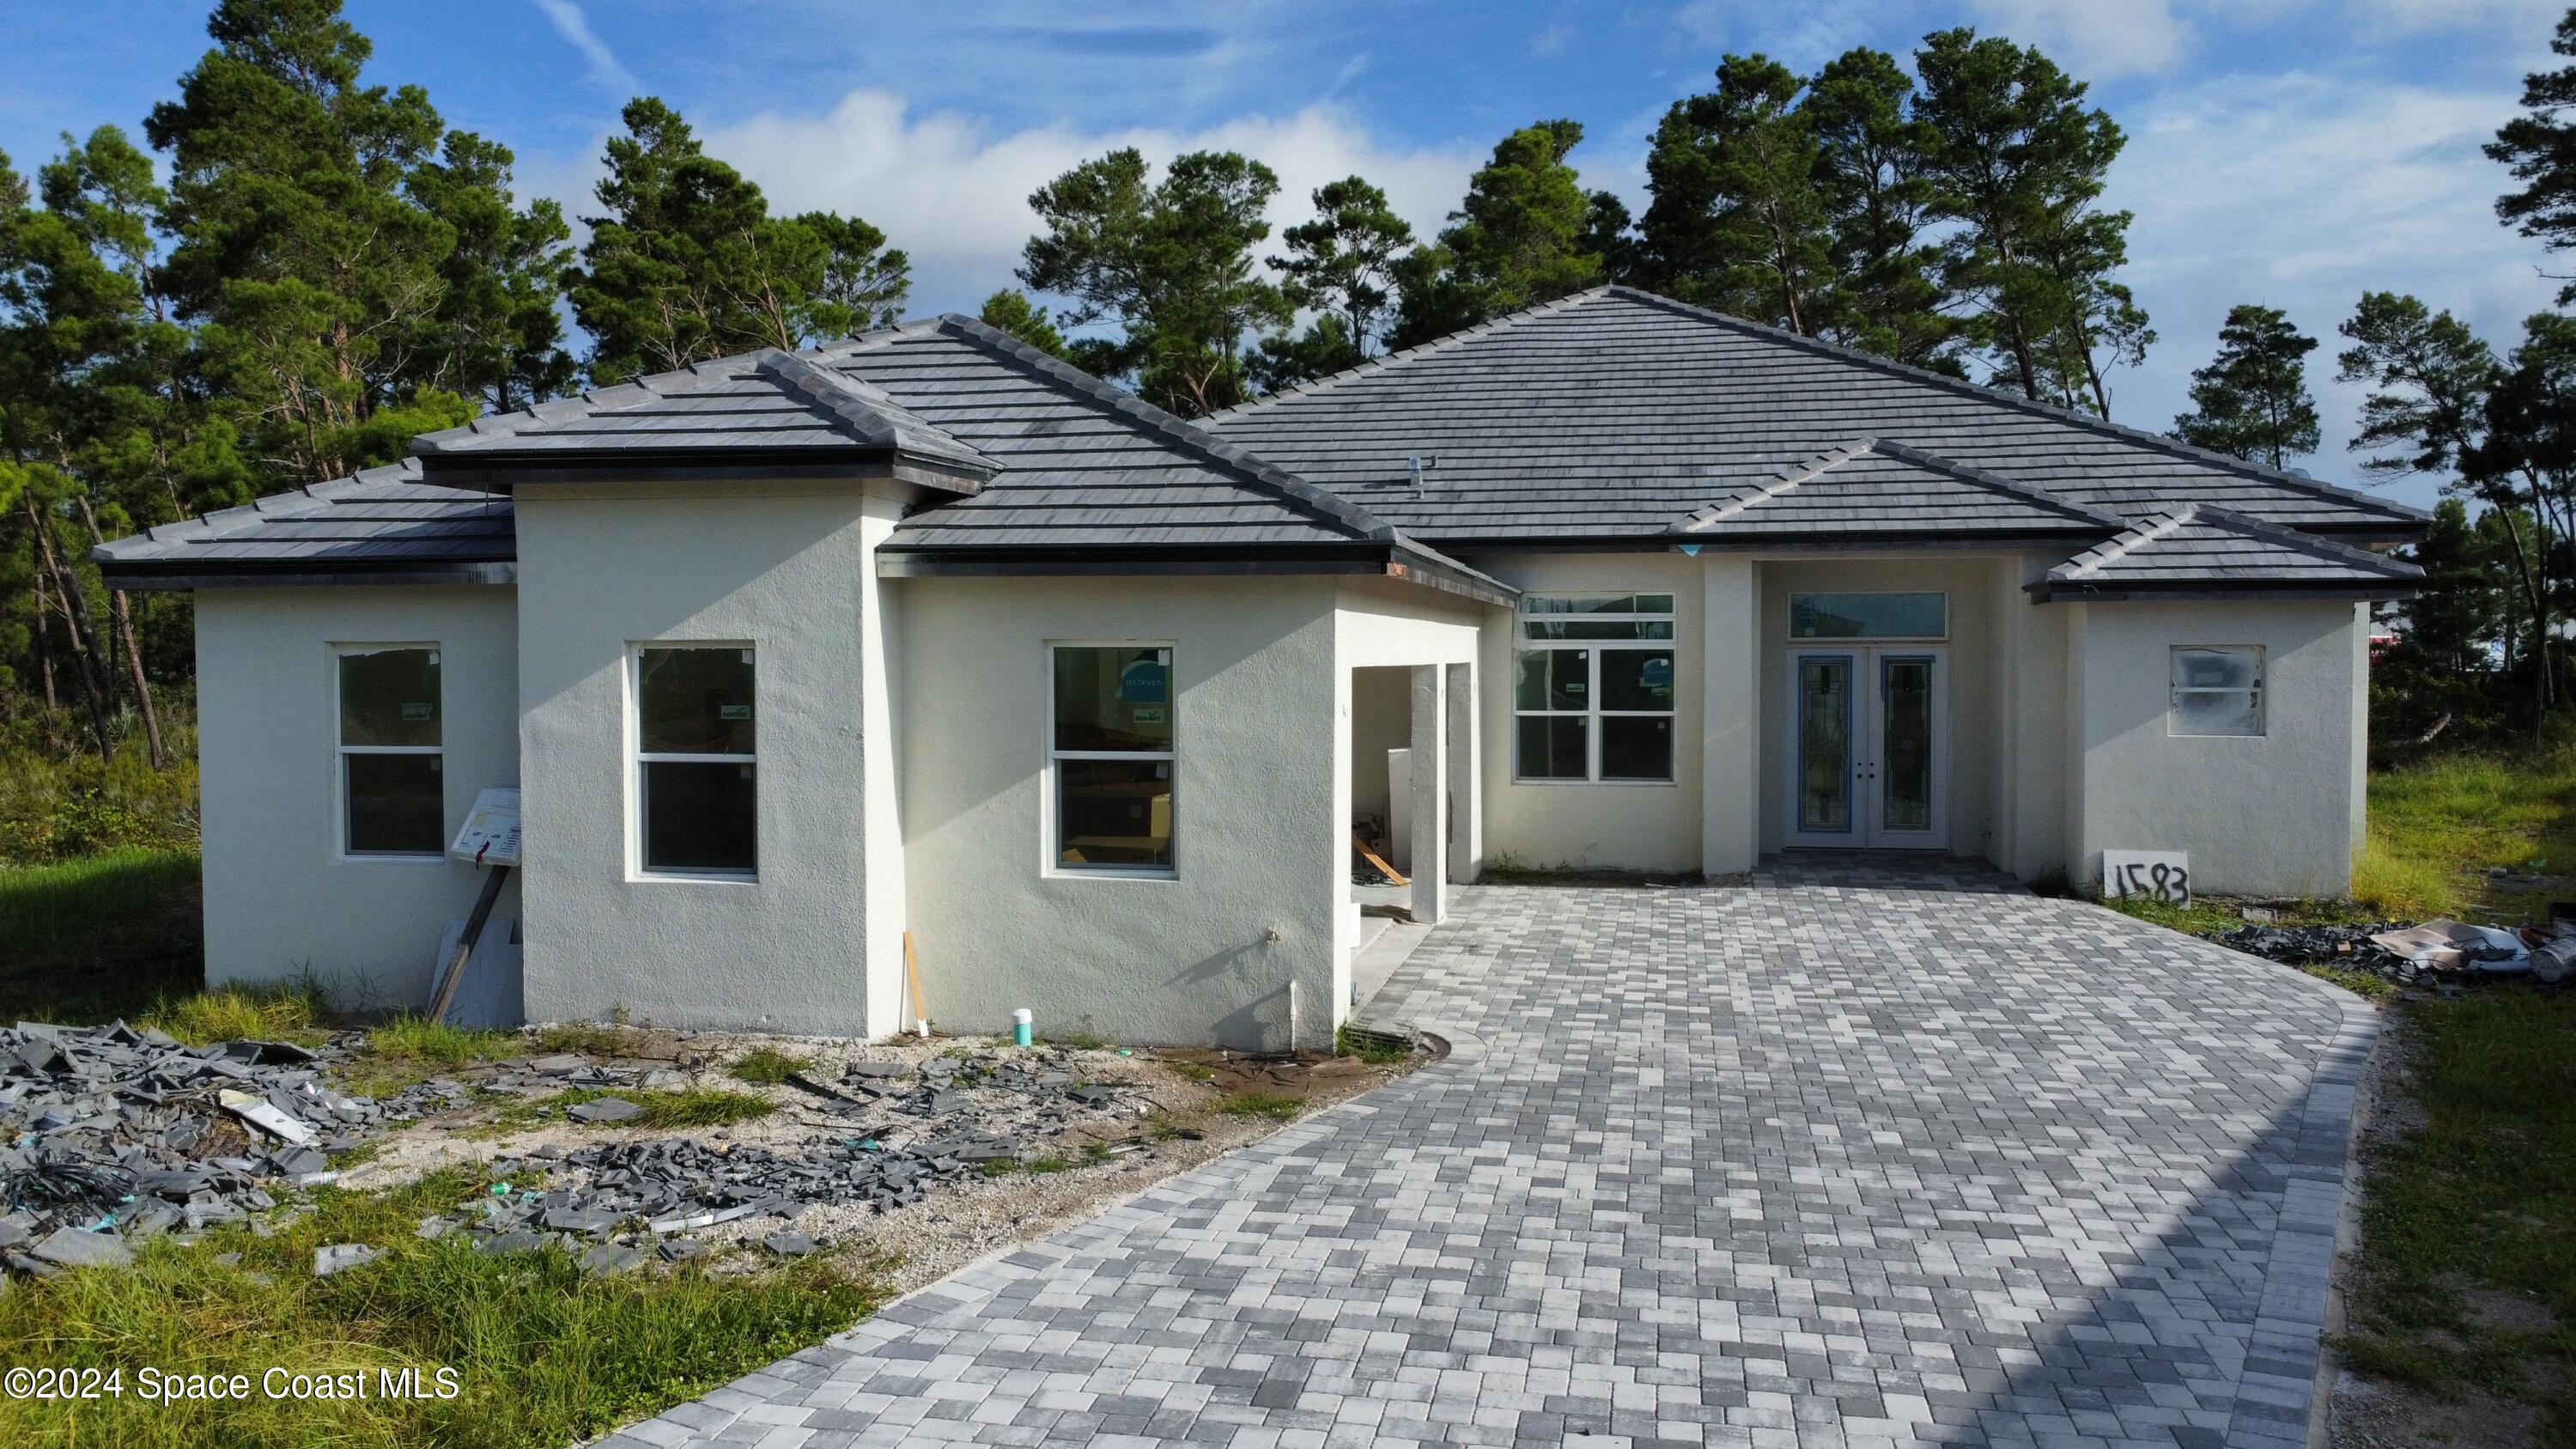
1829 1159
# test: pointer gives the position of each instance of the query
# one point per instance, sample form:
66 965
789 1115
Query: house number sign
2157 875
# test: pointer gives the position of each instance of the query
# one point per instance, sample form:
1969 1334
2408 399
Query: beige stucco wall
784 569
1255 803
2273 814
280 898
1621 825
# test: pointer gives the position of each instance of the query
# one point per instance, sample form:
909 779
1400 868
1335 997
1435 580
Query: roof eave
480 472
1359 557
179 575
2076 591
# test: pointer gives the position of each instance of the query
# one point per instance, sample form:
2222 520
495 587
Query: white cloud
956 197
1553 40
570 23
2302 191
2092 37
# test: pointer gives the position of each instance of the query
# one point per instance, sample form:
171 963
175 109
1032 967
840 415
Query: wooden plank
1377 860
454 973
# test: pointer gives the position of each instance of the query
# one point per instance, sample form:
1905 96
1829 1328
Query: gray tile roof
1873 489
383 523
1612 412
2201 549
768 402
1078 463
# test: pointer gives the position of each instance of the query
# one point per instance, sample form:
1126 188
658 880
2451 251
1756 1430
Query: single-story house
929 632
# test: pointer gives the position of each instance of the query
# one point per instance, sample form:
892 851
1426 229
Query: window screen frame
1592 714
341 750
637 758
2259 689
1051 794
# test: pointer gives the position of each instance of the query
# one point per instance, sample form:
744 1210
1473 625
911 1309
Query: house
927 631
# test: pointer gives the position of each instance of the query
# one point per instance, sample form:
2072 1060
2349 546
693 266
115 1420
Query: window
391 783
1109 747
1592 688
697 762
1869 616
2216 691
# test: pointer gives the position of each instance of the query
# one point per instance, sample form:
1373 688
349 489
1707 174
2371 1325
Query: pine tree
1872 160
2252 400
1737 222
1516 240
2018 159
1013 312
686 264
1170 262
2540 146
495 335
313 274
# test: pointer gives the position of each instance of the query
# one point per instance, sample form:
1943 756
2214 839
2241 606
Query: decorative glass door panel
1869 741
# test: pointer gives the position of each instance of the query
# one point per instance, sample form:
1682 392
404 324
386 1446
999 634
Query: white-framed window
1879 615
1111 730
2217 690
393 796
1592 688
697 760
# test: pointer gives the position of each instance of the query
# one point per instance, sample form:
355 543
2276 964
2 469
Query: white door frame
1867 828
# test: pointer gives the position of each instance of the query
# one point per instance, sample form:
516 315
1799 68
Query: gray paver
1855 1154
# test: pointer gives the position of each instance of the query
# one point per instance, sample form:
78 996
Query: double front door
1868 746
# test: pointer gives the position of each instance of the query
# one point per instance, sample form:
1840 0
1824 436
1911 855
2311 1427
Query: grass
542 1354
691 1107
100 937
1261 1104
2479 1204
291 1010
611 1038
768 1066
1027 1166
2437 827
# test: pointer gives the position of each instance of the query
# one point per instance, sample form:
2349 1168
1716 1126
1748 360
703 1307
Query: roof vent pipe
1415 464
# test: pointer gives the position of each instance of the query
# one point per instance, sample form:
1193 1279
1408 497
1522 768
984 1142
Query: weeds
1371 1048
768 1066
90 940
663 1111
293 1010
413 1038
542 1353
1261 1104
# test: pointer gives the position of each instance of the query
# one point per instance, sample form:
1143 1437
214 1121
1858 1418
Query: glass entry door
1868 747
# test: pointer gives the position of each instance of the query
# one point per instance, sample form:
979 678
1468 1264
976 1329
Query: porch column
1466 815
1730 822
1430 791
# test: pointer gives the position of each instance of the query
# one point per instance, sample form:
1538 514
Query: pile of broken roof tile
913 1127
108 1134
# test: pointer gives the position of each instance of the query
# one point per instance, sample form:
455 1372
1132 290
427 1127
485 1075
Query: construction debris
109 1132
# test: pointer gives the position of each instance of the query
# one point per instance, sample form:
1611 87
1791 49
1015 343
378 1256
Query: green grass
692 1107
543 1355
1027 1166
613 1038
768 1066
1261 1104
2484 1196
2438 826
100 937
294 1010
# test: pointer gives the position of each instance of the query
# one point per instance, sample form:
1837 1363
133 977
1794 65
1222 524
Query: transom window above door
1592 688
1869 616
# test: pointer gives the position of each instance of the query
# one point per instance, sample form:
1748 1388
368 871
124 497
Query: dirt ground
1174 1115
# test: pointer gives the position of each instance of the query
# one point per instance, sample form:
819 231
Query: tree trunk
75 610
2532 605
124 617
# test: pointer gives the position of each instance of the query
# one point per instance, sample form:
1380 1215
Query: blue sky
2288 151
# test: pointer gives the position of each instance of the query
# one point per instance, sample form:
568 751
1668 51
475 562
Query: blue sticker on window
1657 674
1145 681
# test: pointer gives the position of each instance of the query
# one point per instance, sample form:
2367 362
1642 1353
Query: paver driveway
1831 1159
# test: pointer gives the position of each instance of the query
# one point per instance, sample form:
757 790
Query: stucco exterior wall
2272 814
783 569
280 897
1618 825
1205 955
